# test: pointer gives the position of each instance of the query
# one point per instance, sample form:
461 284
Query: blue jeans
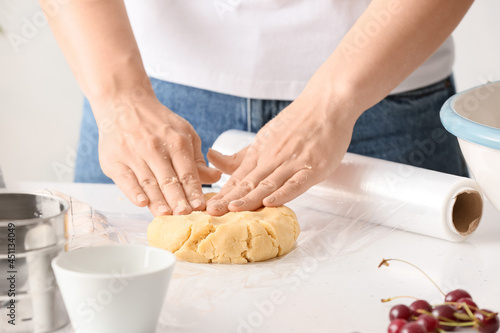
403 127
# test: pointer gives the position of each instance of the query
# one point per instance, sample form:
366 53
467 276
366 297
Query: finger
245 165
218 204
169 184
127 182
250 187
232 161
226 163
207 175
148 182
253 199
292 188
217 208
237 165
184 163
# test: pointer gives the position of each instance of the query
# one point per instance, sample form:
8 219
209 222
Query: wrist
130 92
335 97
123 95
126 109
122 81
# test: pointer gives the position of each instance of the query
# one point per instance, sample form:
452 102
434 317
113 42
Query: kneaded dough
236 237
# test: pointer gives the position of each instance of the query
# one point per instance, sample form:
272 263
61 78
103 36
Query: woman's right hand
153 155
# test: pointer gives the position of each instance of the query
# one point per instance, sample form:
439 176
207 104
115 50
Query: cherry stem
461 304
385 300
489 315
463 316
457 324
469 315
422 311
469 312
468 308
385 262
451 322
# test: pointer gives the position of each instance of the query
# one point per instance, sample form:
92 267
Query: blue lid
467 129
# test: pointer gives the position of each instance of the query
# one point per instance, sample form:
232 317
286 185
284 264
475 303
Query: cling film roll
387 193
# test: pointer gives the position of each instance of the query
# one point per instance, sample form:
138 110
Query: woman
358 75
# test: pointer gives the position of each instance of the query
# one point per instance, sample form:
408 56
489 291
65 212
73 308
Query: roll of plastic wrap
387 193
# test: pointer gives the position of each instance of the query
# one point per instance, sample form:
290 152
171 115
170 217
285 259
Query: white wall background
477 43
40 101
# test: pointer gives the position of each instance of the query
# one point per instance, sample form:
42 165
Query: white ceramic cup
117 288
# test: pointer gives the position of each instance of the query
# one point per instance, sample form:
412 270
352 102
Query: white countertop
329 283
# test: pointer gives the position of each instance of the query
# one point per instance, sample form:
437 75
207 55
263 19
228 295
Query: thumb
208 175
226 163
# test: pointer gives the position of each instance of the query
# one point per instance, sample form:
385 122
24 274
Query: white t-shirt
265 49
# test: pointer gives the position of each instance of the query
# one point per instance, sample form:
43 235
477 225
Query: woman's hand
296 150
154 156
307 140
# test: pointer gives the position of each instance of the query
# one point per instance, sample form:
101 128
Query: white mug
117 288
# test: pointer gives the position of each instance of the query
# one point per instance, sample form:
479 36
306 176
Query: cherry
413 328
443 312
444 317
455 295
470 303
429 322
487 323
396 325
400 311
420 305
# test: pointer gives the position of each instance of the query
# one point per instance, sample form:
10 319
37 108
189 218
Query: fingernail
162 209
237 203
182 203
217 205
270 199
180 210
141 198
196 203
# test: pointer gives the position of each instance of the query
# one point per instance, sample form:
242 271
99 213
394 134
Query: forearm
98 43
387 43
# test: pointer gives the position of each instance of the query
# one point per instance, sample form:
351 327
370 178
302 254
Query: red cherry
429 322
461 308
487 324
420 305
413 328
447 312
399 311
396 325
455 295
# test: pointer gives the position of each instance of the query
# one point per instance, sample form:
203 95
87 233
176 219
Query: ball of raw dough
236 237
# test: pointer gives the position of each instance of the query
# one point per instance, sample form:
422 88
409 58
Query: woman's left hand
299 148
305 143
